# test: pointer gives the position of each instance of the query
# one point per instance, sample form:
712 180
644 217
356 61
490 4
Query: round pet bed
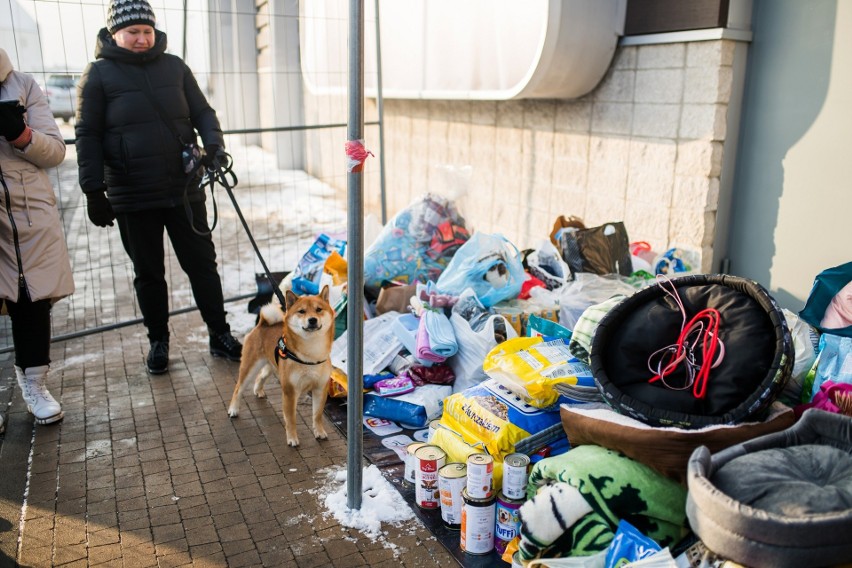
780 500
758 352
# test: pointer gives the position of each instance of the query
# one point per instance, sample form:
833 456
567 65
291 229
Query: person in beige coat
35 270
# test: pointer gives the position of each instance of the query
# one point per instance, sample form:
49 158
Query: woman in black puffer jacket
131 170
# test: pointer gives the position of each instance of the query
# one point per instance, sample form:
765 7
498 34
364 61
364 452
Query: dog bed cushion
757 352
784 499
666 450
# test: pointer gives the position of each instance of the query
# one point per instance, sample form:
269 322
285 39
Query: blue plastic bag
826 285
629 545
488 264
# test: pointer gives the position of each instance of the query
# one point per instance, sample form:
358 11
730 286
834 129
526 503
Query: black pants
30 330
142 236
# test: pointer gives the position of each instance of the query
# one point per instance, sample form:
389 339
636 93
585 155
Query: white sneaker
39 401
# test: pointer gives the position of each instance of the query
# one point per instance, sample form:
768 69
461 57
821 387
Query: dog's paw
320 434
292 442
233 412
259 392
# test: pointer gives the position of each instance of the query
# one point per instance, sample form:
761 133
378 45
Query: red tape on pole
356 154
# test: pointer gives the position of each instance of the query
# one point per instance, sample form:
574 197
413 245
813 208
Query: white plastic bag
586 290
546 264
805 353
380 345
473 347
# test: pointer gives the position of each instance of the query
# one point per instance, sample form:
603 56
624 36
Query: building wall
645 147
792 199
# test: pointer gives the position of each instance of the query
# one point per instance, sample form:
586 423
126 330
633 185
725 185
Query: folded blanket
442 338
615 487
424 342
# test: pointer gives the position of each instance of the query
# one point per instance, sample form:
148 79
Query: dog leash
224 176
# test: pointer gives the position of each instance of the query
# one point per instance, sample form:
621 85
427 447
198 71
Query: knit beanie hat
123 13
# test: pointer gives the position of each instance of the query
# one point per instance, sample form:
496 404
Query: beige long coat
27 202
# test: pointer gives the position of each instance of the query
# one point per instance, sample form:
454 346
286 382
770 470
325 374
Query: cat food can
429 459
480 473
477 524
451 482
433 427
515 476
409 476
508 524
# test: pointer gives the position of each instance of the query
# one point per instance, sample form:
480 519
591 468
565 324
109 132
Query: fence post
355 259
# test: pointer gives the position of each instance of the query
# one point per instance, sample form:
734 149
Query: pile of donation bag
598 371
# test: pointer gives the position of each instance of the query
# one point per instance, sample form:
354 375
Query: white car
61 91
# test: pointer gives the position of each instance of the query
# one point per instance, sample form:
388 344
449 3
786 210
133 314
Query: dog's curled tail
271 313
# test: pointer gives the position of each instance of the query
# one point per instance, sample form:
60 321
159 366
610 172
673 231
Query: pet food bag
458 448
489 265
491 414
415 408
531 368
308 275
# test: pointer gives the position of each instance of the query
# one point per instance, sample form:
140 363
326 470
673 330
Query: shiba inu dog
296 343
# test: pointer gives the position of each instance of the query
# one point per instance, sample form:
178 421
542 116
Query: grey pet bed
780 500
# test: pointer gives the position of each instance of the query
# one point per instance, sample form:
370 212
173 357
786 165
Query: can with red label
477 524
429 459
409 476
480 474
451 481
508 521
515 476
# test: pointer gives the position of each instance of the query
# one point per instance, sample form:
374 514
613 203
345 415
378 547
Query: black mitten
212 156
12 121
99 209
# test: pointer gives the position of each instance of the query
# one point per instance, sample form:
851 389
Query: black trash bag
599 250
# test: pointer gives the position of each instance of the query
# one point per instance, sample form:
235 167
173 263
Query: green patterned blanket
577 499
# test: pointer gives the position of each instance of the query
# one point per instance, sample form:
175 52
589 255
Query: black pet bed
783 500
758 353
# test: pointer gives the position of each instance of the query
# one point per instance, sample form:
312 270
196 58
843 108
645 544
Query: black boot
225 345
158 357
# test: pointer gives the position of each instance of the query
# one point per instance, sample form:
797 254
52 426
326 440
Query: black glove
99 209
212 156
12 120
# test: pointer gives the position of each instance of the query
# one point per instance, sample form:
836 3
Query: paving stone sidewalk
150 471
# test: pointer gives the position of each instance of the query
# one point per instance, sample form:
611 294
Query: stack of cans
452 479
509 501
479 509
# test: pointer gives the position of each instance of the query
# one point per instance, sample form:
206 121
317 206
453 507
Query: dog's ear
324 293
290 298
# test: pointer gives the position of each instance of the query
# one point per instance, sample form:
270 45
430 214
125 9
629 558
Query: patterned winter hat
123 13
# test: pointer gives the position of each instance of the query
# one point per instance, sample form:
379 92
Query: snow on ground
380 503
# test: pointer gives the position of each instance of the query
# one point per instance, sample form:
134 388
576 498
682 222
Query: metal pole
355 258
380 106
184 31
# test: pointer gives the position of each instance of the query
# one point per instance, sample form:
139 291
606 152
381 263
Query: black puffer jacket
123 144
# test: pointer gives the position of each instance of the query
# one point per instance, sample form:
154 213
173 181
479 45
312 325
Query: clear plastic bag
488 264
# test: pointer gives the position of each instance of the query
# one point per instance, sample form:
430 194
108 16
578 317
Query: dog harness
281 352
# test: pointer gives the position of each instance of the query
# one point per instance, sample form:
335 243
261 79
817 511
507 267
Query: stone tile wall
645 147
